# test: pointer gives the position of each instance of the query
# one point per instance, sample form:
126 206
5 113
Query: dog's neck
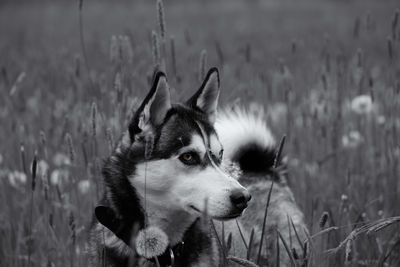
172 220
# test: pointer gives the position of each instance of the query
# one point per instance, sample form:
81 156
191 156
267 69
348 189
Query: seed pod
324 218
34 171
161 18
93 116
71 150
155 48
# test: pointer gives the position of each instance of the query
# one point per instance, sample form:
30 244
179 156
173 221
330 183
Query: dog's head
177 152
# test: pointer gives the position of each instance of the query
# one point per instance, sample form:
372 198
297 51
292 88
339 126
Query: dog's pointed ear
154 108
206 98
107 217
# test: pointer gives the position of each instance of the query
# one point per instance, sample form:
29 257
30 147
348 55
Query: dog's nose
239 198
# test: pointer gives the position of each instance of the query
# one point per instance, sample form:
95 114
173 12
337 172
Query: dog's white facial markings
154 182
215 145
176 192
196 144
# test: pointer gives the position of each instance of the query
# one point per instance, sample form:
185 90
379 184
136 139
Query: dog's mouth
219 218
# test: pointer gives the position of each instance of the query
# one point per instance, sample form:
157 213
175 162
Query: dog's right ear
107 217
154 108
206 98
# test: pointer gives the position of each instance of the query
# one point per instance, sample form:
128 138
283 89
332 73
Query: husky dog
166 172
250 146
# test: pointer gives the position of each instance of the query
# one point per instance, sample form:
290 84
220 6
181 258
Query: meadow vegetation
325 72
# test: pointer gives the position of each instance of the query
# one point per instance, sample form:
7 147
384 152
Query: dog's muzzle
240 198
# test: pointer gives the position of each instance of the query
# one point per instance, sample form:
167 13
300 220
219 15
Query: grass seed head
72 227
93 116
295 255
71 150
155 45
161 18
390 48
395 22
118 86
114 49
110 139
34 171
202 65
173 55
126 47
356 30
324 218
348 251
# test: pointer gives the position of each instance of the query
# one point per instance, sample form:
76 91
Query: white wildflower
352 140
380 213
61 159
362 104
58 176
84 186
294 162
17 178
277 112
256 109
43 168
312 169
381 119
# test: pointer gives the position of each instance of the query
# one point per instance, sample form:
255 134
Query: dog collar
168 258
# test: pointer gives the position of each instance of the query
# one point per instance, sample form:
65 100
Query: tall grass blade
264 223
288 251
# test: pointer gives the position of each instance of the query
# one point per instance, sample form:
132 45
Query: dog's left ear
154 108
206 98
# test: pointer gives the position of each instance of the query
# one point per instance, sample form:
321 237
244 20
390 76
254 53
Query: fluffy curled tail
246 138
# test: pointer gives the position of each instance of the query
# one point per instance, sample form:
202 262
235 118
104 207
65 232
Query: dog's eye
189 158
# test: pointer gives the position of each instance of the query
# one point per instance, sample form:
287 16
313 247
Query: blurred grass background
306 62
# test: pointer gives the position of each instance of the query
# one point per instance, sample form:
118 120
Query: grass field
326 72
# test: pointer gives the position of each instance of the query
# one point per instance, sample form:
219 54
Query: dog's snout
239 198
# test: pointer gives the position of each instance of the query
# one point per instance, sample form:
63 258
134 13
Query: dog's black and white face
181 168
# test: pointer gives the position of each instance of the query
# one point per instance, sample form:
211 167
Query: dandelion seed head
61 159
17 178
151 242
277 112
381 119
42 167
380 213
352 139
57 176
84 186
362 105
